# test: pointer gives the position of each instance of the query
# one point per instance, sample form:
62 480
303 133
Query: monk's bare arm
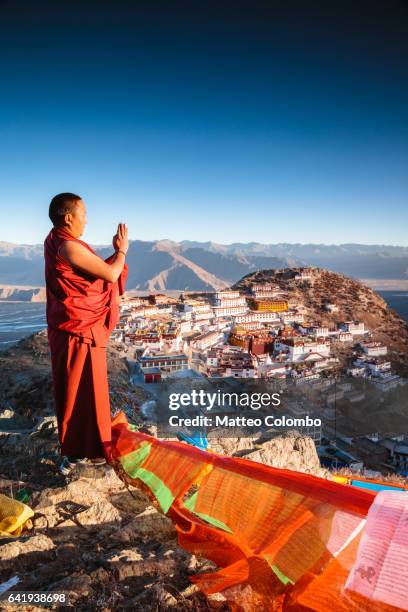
79 257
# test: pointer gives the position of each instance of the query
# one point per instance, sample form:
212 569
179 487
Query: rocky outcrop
103 545
290 452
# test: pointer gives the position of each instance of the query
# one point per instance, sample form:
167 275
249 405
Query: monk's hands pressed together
85 259
120 240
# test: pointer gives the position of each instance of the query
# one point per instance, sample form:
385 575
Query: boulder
292 452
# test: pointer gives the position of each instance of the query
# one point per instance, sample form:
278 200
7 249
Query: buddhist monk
82 309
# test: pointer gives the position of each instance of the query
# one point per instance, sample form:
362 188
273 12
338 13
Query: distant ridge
199 266
17 293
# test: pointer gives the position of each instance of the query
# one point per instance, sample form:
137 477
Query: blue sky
268 122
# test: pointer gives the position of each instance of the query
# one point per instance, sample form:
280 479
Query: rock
149 429
110 480
99 575
76 585
126 556
129 503
163 596
292 452
7 413
193 563
100 512
37 543
25 552
78 501
230 446
127 565
101 477
46 427
152 524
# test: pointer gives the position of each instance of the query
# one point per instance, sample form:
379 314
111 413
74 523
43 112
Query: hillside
354 300
106 546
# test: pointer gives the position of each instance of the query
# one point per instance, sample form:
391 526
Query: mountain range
200 266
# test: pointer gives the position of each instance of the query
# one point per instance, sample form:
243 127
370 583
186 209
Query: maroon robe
81 313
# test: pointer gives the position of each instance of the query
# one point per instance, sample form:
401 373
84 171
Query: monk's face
76 220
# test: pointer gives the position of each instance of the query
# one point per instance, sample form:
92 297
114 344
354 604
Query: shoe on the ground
68 463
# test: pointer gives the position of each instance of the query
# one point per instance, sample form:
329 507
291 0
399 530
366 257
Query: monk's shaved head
61 205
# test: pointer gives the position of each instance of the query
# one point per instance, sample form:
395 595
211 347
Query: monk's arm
79 257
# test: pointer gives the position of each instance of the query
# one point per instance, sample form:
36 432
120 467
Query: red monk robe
81 313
